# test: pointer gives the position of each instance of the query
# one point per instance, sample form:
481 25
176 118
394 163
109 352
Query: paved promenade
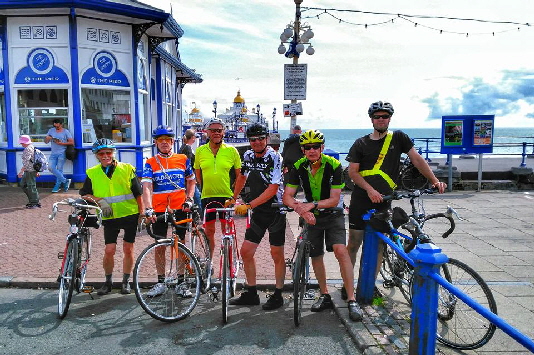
496 238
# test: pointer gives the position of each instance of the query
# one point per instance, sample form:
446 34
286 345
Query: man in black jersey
374 166
262 168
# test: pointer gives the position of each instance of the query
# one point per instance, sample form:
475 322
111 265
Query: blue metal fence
426 259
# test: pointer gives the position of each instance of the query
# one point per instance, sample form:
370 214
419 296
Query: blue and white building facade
107 68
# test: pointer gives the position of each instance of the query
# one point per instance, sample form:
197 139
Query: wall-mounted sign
105 71
41 69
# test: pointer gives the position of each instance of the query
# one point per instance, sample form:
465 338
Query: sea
506 141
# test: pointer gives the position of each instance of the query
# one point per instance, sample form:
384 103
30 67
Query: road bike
410 178
299 264
182 273
77 252
230 261
459 326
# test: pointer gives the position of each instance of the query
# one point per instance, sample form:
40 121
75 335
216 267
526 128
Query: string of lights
412 19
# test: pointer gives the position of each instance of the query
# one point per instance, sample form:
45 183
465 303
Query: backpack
40 163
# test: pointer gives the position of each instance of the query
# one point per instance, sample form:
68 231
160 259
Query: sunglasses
314 147
216 130
376 117
253 139
101 154
164 140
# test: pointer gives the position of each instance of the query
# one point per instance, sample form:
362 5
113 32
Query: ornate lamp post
296 35
215 108
275 124
258 113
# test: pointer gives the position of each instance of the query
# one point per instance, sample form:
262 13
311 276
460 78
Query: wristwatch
315 204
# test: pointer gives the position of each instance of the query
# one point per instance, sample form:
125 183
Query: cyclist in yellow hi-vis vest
374 167
117 190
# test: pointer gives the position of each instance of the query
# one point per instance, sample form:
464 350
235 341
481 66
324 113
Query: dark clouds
481 98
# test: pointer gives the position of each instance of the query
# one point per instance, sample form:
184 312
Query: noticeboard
295 76
467 134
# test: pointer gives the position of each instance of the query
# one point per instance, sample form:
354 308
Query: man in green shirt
321 178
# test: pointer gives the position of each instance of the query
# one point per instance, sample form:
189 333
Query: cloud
478 97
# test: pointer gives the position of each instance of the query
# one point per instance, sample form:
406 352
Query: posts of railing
368 264
423 328
524 155
427 158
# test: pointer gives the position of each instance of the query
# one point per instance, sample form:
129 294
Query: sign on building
295 81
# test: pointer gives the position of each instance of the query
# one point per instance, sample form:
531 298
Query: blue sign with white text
41 69
105 71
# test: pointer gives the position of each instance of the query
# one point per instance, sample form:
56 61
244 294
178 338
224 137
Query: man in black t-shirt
262 168
291 151
374 166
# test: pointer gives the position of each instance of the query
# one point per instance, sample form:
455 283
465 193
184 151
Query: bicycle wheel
85 255
176 296
412 179
300 281
67 277
201 250
225 281
235 265
460 326
396 272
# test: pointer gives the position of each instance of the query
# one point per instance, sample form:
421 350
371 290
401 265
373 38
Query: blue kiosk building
107 68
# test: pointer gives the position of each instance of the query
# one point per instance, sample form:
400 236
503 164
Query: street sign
295 81
292 109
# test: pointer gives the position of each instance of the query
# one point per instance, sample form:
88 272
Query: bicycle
410 178
77 252
459 326
230 261
187 271
299 264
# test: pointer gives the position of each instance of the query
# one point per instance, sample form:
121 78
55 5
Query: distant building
107 68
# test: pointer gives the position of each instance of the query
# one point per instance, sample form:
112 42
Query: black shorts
329 230
359 206
262 221
113 226
218 202
160 228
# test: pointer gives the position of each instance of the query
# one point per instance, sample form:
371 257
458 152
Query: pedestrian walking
28 174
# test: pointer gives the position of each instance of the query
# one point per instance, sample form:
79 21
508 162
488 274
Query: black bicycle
410 178
77 252
459 326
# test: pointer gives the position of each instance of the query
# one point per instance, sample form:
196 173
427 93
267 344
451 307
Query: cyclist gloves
106 208
241 210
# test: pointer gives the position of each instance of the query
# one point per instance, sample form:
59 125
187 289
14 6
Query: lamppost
275 126
296 35
258 113
215 108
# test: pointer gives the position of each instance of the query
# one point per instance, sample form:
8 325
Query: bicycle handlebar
72 202
283 207
399 195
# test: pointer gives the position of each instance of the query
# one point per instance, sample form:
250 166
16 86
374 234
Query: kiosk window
106 114
38 109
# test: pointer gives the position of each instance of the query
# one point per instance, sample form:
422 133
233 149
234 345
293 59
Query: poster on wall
483 132
453 133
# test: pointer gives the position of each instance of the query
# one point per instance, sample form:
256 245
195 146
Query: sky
424 73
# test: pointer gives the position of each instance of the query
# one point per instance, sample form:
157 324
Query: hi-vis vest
376 168
117 190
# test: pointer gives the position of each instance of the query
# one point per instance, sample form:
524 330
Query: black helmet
162 130
380 106
102 143
256 129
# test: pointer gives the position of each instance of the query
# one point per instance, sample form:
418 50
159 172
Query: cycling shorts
329 229
261 222
359 206
113 226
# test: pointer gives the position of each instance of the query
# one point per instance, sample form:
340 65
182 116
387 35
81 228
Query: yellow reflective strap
381 156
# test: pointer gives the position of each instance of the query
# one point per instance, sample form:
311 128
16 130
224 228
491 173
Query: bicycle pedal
60 255
88 289
309 295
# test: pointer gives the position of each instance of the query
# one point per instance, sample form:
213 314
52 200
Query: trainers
273 303
31 207
157 290
66 185
183 291
246 299
126 289
355 312
324 302
104 290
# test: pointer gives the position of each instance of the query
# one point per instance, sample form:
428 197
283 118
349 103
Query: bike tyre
462 327
412 179
225 280
397 270
85 256
67 277
170 306
299 282
201 249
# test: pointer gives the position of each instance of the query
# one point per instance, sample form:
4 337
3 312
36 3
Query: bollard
368 264
428 258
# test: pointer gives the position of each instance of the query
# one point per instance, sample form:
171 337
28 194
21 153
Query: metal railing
426 259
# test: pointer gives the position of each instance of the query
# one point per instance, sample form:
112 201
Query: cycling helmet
256 129
102 143
162 130
311 136
214 121
380 106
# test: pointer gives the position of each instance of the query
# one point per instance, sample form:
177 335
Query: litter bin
331 153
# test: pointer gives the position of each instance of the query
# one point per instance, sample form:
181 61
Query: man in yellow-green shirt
213 163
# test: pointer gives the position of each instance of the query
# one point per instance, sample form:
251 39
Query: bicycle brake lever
451 211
